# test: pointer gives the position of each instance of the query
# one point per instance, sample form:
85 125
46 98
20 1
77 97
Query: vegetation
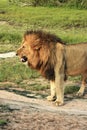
13 70
3 122
69 3
69 24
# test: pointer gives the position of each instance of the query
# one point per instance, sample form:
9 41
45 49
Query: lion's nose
16 54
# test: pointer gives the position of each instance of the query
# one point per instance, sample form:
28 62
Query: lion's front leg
52 97
59 89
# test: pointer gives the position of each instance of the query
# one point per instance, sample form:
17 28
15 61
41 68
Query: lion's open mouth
24 59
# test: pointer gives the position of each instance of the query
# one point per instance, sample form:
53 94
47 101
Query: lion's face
29 51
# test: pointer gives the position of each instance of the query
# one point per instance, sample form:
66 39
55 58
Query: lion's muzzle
24 59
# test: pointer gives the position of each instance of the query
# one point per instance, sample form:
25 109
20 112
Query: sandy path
38 114
76 106
6 55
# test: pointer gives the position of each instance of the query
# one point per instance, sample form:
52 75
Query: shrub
69 3
77 3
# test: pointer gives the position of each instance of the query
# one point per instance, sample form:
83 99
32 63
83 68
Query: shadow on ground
25 93
70 94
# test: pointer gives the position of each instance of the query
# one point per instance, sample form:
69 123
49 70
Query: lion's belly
74 72
76 68
76 61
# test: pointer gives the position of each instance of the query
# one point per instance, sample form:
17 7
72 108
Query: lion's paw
59 103
51 98
79 94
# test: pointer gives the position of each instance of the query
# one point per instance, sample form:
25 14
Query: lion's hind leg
83 85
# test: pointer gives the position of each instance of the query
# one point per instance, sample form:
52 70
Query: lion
55 60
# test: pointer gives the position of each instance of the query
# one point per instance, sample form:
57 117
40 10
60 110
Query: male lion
54 60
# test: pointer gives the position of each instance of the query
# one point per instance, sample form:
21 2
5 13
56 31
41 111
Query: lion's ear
36 47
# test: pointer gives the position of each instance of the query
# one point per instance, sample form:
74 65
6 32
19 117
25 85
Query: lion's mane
47 53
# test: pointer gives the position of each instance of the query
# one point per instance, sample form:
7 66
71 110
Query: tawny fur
54 60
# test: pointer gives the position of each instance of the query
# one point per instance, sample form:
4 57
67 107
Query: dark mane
45 36
47 53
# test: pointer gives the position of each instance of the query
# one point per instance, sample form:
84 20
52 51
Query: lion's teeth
22 60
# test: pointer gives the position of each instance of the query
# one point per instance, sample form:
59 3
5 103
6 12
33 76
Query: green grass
71 89
14 70
69 24
11 69
34 86
3 122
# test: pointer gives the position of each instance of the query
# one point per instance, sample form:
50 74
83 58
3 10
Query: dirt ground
35 113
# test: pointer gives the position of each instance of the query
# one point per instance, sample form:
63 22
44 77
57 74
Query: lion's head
38 49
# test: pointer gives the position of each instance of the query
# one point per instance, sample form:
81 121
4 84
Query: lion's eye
23 46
